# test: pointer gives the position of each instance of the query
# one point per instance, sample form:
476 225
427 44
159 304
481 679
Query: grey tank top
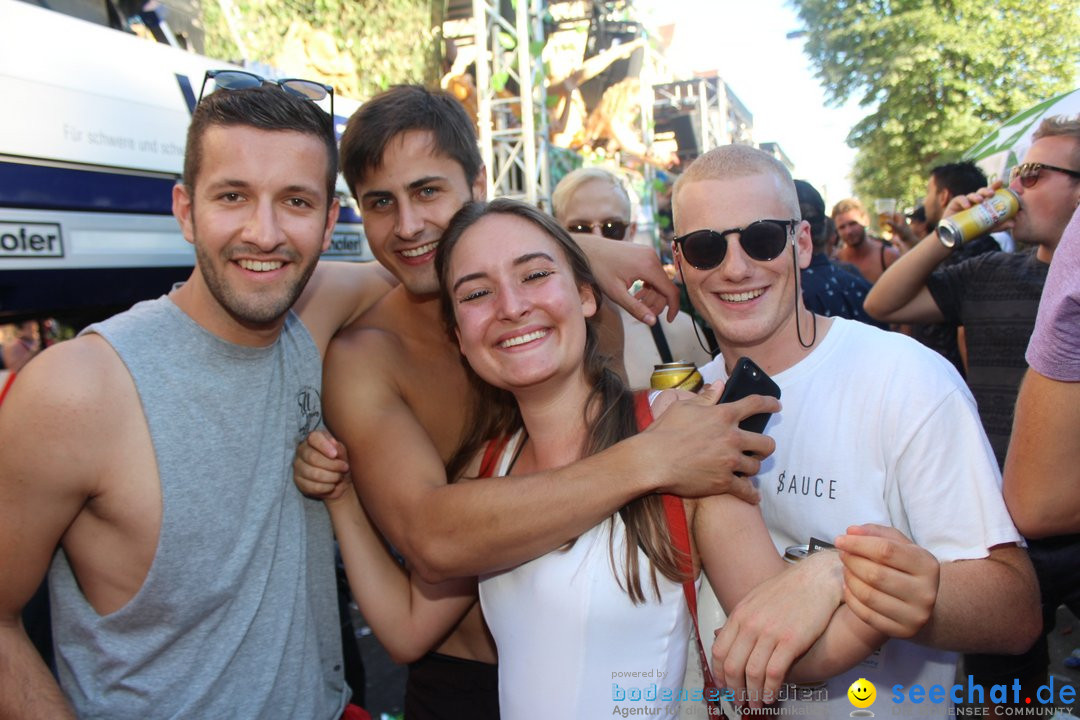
237 617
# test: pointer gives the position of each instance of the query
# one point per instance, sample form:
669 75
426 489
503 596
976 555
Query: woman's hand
321 467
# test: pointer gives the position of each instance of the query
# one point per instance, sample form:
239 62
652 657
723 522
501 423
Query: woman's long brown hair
609 410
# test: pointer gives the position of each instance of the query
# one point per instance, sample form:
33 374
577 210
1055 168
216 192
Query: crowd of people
474 401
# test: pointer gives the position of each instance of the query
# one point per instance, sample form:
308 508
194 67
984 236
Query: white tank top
571 642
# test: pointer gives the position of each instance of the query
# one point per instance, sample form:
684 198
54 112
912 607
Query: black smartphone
748 379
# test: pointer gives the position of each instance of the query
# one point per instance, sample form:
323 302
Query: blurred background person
869 254
916 220
946 182
23 341
1042 469
593 200
828 289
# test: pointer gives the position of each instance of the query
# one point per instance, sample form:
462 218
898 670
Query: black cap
808 195
812 206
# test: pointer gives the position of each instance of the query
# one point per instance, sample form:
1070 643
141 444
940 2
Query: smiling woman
509 304
520 297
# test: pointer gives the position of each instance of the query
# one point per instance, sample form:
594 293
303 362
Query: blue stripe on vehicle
42 187
51 188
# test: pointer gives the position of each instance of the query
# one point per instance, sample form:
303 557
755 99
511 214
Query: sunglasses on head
241 79
611 229
1029 173
762 240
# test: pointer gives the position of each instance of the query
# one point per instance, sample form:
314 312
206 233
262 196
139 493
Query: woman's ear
588 300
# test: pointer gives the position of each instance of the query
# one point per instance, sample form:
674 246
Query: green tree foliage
939 75
390 41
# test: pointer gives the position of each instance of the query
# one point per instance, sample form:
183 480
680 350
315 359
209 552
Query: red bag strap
492 453
680 536
6 386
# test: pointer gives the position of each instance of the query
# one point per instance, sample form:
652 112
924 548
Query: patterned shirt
995 296
942 336
827 290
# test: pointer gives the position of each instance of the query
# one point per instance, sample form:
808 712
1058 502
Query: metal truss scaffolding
513 119
708 108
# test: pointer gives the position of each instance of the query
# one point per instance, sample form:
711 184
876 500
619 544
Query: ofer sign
30 240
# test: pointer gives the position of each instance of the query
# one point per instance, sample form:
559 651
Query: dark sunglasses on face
241 79
611 229
762 240
1029 173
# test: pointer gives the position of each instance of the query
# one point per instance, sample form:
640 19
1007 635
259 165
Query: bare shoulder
371 351
360 375
68 407
368 279
72 410
79 373
337 294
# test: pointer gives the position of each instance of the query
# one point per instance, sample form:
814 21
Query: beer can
795 553
970 223
678 375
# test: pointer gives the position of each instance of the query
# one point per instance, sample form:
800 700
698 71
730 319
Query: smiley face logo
862 693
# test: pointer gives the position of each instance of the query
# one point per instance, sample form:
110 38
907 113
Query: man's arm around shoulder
55 425
490 524
443 530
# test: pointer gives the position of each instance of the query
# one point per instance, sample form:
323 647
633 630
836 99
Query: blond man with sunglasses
995 296
878 449
594 201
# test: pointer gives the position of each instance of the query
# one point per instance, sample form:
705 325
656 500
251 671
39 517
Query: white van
92 131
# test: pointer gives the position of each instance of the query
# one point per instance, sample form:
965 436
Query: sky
746 42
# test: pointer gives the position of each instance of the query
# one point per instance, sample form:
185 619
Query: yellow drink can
678 375
973 222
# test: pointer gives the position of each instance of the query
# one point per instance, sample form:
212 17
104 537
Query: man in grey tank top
192 578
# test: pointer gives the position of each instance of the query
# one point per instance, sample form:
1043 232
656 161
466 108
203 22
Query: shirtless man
154 450
398 397
867 253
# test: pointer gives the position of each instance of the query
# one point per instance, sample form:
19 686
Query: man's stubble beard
265 309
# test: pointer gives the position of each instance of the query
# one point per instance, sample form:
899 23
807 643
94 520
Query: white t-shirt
875 428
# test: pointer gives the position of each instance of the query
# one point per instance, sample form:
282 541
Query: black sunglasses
1029 173
611 229
241 79
762 240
